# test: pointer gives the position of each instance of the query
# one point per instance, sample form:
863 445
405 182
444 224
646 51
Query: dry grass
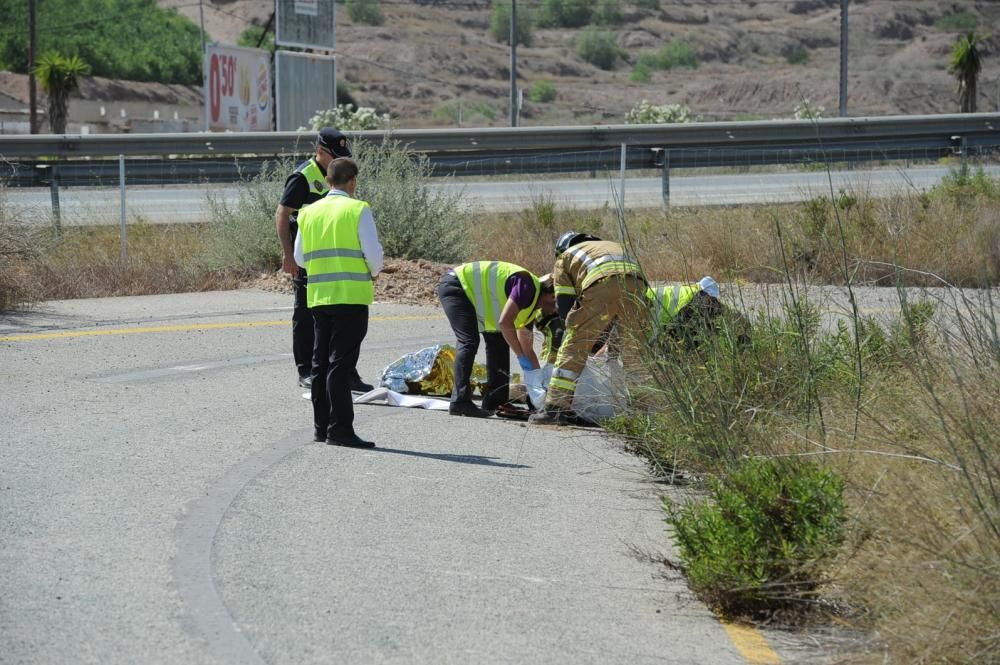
85 262
924 570
742 243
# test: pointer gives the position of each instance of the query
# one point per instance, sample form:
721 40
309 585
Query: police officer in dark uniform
307 184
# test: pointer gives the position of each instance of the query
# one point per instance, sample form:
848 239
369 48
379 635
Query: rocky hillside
432 61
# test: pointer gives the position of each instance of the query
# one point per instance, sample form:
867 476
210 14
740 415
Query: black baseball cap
330 138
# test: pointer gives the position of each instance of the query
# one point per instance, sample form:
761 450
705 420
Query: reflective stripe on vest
611 264
483 283
315 178
668 300
338 272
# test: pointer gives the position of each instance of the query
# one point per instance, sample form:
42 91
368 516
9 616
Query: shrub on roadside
645 113
18 247
965 183
347 118
414 222
242 234
763 537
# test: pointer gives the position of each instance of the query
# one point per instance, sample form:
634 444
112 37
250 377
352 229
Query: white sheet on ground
392 398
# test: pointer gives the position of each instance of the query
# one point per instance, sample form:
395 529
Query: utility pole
204 82
843 58
32 93
513 63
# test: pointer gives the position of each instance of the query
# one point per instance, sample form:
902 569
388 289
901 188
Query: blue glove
525 363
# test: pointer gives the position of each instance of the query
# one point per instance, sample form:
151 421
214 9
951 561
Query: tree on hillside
59 76
966 64
120 39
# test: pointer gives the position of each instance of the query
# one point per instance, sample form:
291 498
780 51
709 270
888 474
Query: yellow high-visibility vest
483 283
338 271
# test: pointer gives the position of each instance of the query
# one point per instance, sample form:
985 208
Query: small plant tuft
542 92
366 12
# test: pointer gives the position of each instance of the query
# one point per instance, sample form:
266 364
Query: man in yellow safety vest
498 300
304 186
338 246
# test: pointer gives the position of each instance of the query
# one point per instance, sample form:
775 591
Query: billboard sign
304 23
306 83
237 89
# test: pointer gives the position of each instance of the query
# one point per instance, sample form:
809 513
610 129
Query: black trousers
303 336
461 315
339 332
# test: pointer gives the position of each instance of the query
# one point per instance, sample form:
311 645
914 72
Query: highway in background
189 203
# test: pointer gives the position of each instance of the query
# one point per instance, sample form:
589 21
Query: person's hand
289 266
525 363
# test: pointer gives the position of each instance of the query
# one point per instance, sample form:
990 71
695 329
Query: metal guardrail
213 158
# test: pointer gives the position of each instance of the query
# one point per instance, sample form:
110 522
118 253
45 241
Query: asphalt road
161 501
188 203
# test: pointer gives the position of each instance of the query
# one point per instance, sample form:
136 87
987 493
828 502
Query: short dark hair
341 171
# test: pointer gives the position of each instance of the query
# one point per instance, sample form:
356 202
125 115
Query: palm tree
965 65
59 76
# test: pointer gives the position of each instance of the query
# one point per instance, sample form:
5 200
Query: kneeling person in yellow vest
596 285
685 314
499 301
338 245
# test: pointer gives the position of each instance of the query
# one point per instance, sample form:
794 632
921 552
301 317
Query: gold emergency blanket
429 371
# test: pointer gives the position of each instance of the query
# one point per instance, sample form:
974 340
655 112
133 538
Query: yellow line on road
179 328
751 644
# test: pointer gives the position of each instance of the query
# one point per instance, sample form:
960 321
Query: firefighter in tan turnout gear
596 285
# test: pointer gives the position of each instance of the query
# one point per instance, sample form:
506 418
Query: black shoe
349 441
306 382
468 409
359 386
549 416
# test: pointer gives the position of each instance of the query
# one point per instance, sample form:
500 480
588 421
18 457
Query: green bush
608 12
500 24
542 92
241 234
965 184
961 21
797 56
366 12
129 39
640 74
647 4
676 53
413 221
255 35
565 13
598 47
761 540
